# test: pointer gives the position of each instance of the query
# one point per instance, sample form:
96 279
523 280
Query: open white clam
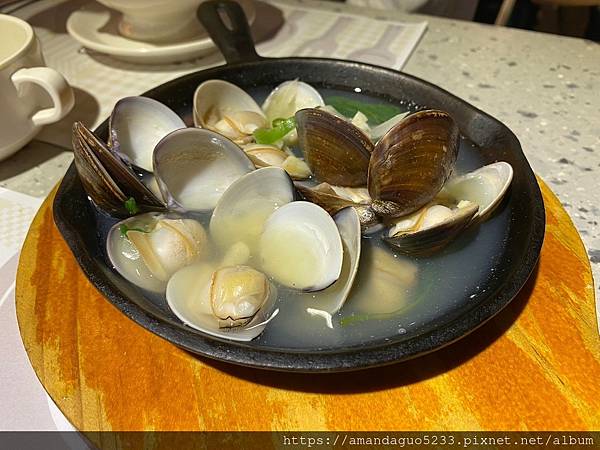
485 186
244 208
333 298
289 97
194 167
136 125
205 297
431 228
147 249
225 108
301 248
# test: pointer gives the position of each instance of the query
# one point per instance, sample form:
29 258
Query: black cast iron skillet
79 224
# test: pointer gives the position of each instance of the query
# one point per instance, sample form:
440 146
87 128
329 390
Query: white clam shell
289 97
243 209
331 300
378 131
485 186
215 99
194 167
136 125
169 245
301 247
188 297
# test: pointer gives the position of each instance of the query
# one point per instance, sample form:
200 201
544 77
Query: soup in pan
295 218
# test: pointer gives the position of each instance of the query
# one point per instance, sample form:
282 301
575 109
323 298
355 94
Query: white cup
157 20
24 83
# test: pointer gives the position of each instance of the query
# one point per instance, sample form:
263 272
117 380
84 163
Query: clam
136 125
231 302
242 211
300 247
195 166
289 97
391 276
264 155
106 179
485 186
412 162
431 228
464 200
149 248
236 294
335 198
332 299
403 171
225 108
336 151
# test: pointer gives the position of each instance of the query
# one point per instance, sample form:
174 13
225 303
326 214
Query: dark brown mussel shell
324 196
105 178
336 151
411 162
431 240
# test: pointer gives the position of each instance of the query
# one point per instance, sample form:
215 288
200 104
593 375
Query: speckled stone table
544 87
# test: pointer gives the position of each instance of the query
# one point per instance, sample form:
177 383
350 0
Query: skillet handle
232 36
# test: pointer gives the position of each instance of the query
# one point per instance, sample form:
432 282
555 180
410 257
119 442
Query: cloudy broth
394 296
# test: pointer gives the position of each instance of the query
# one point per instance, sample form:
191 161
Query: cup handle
57 87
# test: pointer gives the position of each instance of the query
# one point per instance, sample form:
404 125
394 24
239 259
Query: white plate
95 26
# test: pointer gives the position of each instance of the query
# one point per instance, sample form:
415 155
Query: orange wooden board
535 366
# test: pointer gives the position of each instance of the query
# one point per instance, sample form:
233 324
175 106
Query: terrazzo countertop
545 88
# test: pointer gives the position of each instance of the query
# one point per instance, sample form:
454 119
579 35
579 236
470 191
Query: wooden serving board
535 366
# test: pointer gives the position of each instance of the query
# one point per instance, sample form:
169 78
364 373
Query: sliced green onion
124 229
131 206
281 127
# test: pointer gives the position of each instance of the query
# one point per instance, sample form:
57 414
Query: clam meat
231 302
227 109
431 228
265 155
149 248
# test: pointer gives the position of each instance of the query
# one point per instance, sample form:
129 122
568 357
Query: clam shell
264 155
105 178
336 151
188 296
411 163
215 99
174 249
333 298
327 198
432 239
289 97
301 247
392 276
136 125
194 167
485 186
241 212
